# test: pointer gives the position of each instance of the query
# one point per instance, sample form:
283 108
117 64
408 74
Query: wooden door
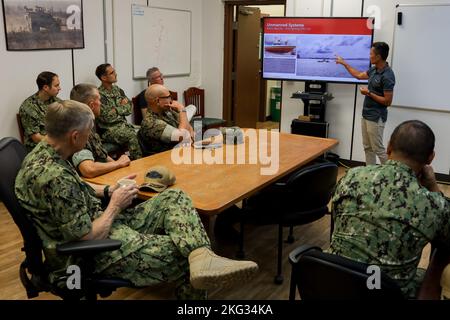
246 106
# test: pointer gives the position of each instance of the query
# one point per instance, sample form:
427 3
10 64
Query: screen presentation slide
306 48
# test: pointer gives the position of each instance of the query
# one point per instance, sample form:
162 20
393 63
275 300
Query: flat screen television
305 49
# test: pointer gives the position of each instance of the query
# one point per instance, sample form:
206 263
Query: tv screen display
306 48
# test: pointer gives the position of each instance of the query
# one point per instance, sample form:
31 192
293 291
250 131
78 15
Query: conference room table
216 187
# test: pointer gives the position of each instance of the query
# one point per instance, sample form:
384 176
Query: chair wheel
278 279
290 239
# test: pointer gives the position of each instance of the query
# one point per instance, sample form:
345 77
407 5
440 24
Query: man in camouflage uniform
385 215
162 239
166 123
93 160
115 107
33 109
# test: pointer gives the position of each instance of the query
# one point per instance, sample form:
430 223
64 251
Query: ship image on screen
306 48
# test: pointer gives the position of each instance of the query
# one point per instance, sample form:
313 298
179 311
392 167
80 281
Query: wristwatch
183 110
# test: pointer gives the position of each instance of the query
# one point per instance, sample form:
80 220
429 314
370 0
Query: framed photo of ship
43 24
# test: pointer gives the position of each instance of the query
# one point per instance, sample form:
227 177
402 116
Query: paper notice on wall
137 10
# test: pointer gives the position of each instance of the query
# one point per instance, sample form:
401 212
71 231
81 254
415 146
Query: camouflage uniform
112 123
94 151
157 235
32 114
152 128
383 216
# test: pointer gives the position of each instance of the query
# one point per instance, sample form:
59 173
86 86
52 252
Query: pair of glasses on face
169 97
112 72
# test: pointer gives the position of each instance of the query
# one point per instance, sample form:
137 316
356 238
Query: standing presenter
379 94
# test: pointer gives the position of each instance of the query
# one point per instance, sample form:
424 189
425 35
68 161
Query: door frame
228 56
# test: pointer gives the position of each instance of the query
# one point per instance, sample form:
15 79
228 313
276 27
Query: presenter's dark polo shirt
379 81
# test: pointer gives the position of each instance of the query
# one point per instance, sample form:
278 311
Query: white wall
19 69
212 56
121 52
340 110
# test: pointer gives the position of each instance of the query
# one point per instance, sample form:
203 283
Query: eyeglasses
112 72
166 97
160 76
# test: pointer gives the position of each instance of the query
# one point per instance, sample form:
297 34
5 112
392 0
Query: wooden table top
215 187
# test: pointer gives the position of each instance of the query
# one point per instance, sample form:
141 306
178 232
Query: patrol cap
157 178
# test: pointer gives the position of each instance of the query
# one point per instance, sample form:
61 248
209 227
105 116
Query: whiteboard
161 38
421 56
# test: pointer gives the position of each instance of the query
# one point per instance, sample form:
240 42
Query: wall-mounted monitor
305 49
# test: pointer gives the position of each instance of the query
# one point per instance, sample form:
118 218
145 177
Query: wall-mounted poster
43 24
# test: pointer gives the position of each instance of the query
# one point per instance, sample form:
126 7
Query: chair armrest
295 254
88 247
277 188
278 185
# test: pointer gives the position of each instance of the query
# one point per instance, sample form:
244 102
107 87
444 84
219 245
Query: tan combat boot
445 283
209 270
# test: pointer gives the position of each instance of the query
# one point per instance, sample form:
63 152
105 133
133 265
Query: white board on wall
161 38
421 56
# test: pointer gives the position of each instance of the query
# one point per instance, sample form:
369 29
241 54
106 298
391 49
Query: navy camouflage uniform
157 236
114 127
93 151
32 113
383 216
152 128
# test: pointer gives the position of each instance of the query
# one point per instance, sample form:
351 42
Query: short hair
101 70
45 79
65 116
83 92
413 139
150 72
382 49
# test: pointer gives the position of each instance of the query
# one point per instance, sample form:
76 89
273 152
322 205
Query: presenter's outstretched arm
354 72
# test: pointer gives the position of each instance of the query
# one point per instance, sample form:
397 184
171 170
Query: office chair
33 272
301 199
137 114
20 126
324 276
196 96
174 95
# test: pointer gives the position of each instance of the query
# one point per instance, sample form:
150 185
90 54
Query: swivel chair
324 276
33 271
302 199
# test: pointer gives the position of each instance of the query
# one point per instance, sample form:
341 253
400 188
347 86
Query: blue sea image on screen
316 54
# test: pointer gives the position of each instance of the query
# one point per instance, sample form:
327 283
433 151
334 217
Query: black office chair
33 272
302 199
323 276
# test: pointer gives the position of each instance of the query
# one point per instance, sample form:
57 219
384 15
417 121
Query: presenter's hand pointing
339 60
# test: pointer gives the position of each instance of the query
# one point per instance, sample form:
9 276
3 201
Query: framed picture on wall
43 24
